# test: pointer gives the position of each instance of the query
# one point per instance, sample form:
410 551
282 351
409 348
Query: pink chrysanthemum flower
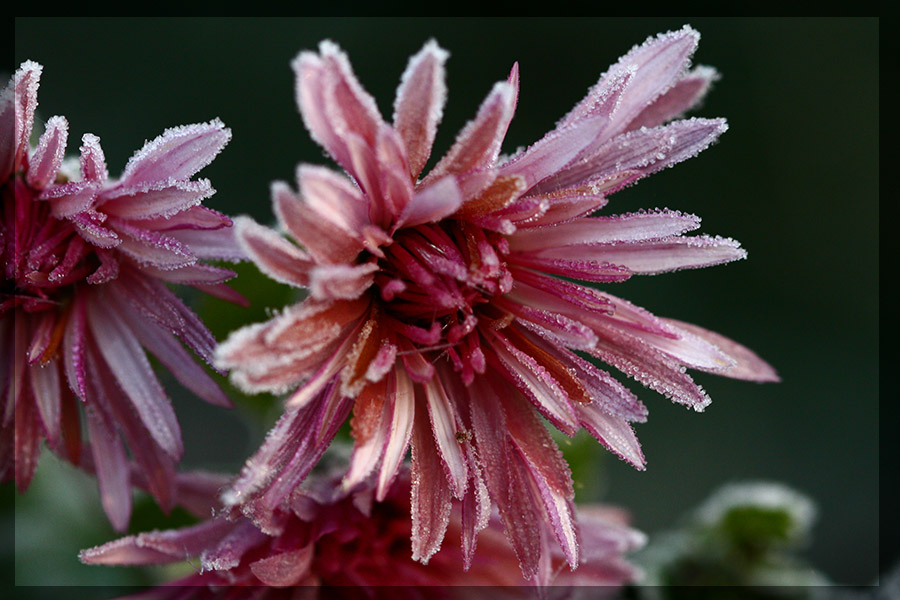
327 536
86 262
450 312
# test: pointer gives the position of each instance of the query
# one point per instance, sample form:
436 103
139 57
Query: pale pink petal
45 386
631 227
70 198
325 242
151 247
644 150
216 244
48 156
93 161
284 569
614 433
680 98
478 145
552 152
154 199
430 493
659 62
649 257
432 203
333 198
111 464
445 426
27 80
341 282
274 255
749 366
126 360
419 105
402 418
158 547
176 154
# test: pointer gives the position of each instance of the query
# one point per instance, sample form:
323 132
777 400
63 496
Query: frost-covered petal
176 154
419 105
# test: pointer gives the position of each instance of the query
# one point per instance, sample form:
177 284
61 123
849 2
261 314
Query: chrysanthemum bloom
450 311
86 264
328 536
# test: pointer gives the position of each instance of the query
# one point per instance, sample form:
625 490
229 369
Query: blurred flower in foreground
746 535
328 536
86 262
444 309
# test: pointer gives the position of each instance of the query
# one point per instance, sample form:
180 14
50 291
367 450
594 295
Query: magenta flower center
438 281
43 256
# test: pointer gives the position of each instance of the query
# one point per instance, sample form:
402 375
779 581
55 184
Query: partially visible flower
327 536
86 260
449 311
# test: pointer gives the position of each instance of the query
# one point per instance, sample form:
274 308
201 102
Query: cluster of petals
87 262
332 542
449 312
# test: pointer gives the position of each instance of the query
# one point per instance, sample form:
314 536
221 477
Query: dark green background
795 179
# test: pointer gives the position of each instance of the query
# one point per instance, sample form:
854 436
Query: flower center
43 256
436 284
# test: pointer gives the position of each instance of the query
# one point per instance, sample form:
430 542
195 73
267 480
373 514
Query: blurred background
795 180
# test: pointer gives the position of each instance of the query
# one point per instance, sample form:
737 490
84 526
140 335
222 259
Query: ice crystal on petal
449 306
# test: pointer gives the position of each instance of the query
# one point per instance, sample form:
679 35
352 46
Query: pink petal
401 426
286 568
215 244
478 144
158 547
430 494
45 386
445 425
419 105
126 359
679 99
651 367
650 257
613 432
48 156
749 366
333 197
534 380
549 471
552 152
645 150
93 162
70 198
325 242
659 62
274 255
176 154
432 203
162 344
155 199
341 282
617 228
111 464
27 80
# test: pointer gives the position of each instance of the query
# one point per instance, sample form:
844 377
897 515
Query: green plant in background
744 541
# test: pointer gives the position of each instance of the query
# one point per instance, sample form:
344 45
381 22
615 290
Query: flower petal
419 105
